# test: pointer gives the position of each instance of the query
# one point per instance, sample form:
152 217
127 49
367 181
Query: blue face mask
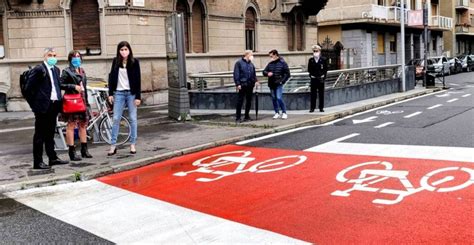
76 62
52 61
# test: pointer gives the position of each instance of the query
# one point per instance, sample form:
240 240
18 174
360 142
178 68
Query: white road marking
125 217
455 84
462 154
435 106
384 125
369 119
466 95
449 101
8 130
413 114
332 122
443 95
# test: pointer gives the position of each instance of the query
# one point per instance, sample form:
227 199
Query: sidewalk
159 138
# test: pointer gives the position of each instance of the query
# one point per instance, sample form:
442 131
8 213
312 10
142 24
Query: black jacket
39 83
69 80
280 70
134 77
318 71
244 73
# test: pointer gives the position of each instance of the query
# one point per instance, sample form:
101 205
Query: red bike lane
318 197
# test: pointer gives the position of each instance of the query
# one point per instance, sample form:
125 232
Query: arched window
299 31
250 29
296 30
182 7
291 32
86 26
198 27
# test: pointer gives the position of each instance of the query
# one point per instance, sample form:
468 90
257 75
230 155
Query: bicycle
384 170
223 164
99 128
104 120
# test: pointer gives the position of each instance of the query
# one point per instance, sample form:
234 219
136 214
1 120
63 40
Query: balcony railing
462 4
464 29
385 13
442 22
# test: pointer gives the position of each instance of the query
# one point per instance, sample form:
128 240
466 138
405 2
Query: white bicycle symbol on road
214 164
369 177
387 112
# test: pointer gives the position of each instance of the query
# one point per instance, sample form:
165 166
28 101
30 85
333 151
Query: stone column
178 104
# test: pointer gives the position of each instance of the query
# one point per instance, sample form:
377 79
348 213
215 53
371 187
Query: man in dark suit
45 94
245 79
317 69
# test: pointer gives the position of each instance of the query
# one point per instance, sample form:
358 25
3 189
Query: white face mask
317 54
251 58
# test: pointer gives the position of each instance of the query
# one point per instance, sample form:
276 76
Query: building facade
369 30
217 32
464 29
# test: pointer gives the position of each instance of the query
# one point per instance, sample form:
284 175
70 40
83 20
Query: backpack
24 79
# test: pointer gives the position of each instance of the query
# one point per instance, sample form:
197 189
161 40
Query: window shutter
299 31
198 39
291 32
86 26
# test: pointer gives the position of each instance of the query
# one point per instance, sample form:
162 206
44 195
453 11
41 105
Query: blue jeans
120 99
277 99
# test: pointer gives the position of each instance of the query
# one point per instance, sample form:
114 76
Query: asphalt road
176 201
442 119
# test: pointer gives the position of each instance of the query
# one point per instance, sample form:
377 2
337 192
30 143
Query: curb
93 174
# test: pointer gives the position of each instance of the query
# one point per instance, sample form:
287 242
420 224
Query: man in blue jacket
245 79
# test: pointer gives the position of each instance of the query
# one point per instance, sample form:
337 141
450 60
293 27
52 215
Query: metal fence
299 81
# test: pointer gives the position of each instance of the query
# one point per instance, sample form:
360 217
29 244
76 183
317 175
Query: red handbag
73 103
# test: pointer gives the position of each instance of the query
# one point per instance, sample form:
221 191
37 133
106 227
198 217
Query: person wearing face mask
317 69
245 79
124 89
278 74
46 105
74 81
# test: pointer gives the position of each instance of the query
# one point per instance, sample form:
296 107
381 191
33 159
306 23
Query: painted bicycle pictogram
239 162
387 112
370 173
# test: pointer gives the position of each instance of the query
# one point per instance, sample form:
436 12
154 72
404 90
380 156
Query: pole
425 41
402 23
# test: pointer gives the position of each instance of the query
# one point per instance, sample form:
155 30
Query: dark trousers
244 93
45 127
317 89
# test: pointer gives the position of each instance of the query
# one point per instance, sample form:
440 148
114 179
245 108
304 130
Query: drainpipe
274 6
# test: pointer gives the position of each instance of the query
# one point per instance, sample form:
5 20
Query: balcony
464 30
310 7
441 22
462 4
361 13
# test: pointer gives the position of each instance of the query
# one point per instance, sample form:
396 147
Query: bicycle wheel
438 184
276 164
124 133
350 175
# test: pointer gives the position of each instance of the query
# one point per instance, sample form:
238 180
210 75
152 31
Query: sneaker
277 115
284 116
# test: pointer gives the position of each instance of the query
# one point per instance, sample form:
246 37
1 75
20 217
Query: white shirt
123 82
54 94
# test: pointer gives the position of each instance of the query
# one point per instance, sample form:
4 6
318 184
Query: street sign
415 18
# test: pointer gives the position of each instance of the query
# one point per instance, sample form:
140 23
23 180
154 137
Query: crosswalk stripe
126 217
463 154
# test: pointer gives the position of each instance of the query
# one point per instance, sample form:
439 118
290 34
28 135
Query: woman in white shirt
124 89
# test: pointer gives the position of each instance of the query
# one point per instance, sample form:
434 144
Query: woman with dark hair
124 89
73 81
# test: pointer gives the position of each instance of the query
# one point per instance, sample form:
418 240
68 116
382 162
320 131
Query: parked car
467 62
419 66
455 65
441 65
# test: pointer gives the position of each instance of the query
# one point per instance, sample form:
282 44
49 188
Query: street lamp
402 23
